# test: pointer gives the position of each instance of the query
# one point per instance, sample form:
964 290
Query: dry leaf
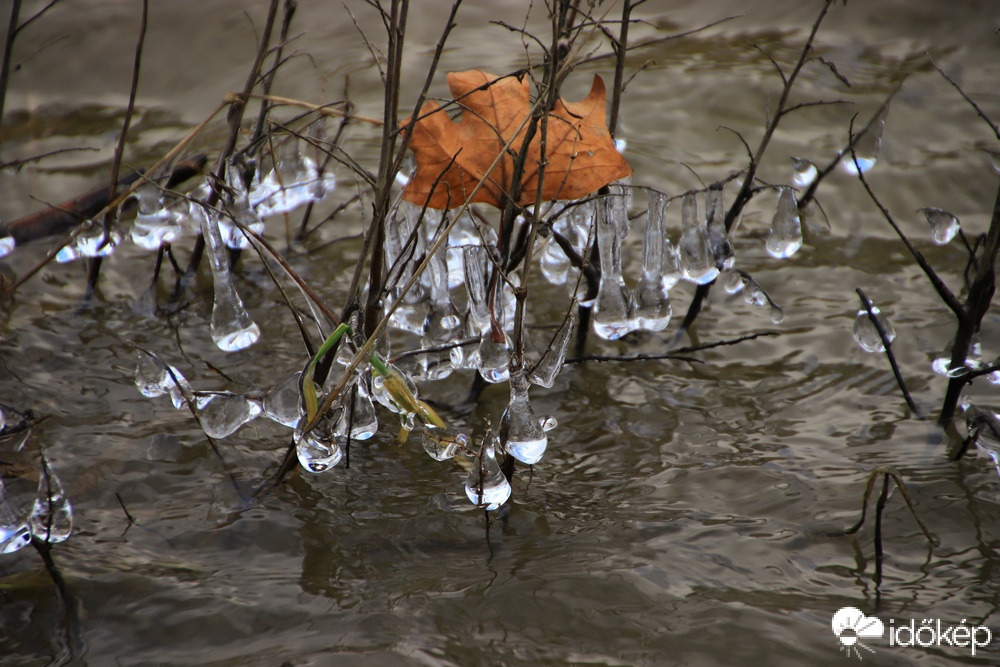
453 156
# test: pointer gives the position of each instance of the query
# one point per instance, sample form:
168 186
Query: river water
681 514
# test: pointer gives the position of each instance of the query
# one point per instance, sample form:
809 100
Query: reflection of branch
887 474
677 354
69 600
887 346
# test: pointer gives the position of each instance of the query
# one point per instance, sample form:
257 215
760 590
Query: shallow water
680 512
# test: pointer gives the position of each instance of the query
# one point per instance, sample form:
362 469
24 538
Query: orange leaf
452 157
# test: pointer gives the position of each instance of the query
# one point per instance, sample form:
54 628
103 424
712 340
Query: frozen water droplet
865 333
866 147
318 450
282 403
154 225
547 369
733 281
613 307
381 386
231 327
7 244
805 172
944 225
222 413
90 242
548 422
526 441
777 315
51 518
697 257
620 145
486 485
442 443
494 356
786 229
14 531
994 158
364 421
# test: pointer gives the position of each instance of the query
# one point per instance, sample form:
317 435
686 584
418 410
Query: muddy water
679 516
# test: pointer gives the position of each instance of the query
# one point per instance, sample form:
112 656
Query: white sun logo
850 624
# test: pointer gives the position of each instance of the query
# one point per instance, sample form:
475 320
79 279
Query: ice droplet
866 147
319 449
14 531
786 229
486 485
804 172
90 242
154 225
865 333
548 367
494 355
526 441
442 443
364 420
222 413
7 244
282 403
944 225
51 518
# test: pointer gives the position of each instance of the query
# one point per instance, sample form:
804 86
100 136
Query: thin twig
887 346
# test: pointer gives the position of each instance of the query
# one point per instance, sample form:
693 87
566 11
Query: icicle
652 301
486 485
545 371
476 263
51 518
718 238
222 413
865 333
283 402
786 229
15 533
442 443
944 225
294 179
154 225
444 323
697 258
526 441
804 172
411 315
232 328
612 310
